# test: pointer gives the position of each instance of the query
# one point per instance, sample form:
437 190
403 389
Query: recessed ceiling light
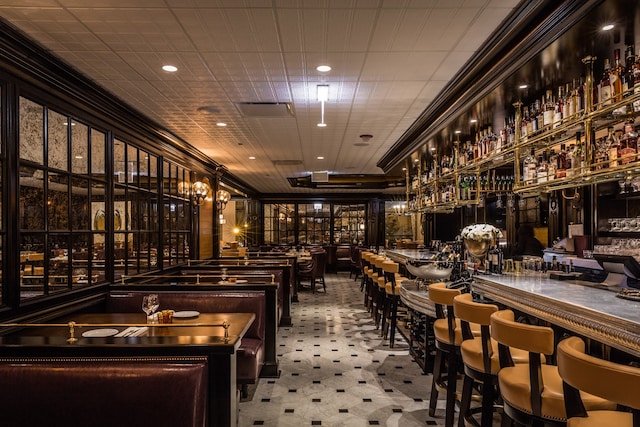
170 68
78 157
252 157
323 68
607 27
221 124
320 157
416 160
322 125
523 86
457 131
473 121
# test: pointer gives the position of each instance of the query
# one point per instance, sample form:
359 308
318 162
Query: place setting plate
186 314
99 333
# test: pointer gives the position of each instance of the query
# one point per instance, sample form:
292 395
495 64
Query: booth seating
103 393
581 372
251 353
343 257
532 392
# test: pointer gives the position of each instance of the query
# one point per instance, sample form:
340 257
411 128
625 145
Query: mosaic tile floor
337 371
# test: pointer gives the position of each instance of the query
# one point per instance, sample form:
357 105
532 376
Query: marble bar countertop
580 307
401 255
417 299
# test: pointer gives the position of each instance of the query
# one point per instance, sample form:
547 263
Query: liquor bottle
628 143
535 117
580 95
569 104
604 92
543 169
529 167
549 109
614 147
561 162
570 158
553 163
629 79
636 82
559 107
524 123
617 74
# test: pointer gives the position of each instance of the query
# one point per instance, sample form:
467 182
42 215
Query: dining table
215 336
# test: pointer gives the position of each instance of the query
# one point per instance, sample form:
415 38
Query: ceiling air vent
286 162
261 110
320 176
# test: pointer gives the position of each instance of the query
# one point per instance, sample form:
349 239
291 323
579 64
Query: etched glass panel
79 148
57 137
31 131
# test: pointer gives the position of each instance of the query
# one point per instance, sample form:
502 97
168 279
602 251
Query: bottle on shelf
549 110
561 162
604 87
636 82
628 79
628 144
616 78
553 164
613 142
559 107
543 169
529 167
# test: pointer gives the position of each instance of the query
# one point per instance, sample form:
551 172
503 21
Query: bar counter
416 299
580 307
402 255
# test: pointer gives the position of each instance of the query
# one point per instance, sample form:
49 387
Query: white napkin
133 331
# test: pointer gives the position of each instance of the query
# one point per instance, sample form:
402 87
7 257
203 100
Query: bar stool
583 373
377 288
366 266
448 336
392 298
532 392
372 283
480 359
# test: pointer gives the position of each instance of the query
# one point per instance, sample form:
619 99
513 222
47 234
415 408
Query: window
60 246
314 224
348 224
279 224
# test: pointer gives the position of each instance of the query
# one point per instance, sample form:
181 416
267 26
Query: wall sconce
222 197
199 191
400 208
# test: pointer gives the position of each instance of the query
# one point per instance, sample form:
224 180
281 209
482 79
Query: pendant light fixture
323 96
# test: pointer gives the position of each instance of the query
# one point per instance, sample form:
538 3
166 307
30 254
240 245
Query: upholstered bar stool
392 298
583 373
448 337
372 283
480 359
377 298
532 392
366 267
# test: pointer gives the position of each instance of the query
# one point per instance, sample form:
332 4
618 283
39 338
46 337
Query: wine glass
150 304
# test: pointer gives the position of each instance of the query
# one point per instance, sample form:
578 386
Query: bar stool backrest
443 297
609 380
531 338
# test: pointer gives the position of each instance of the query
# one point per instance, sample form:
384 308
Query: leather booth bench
103 393
251 354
